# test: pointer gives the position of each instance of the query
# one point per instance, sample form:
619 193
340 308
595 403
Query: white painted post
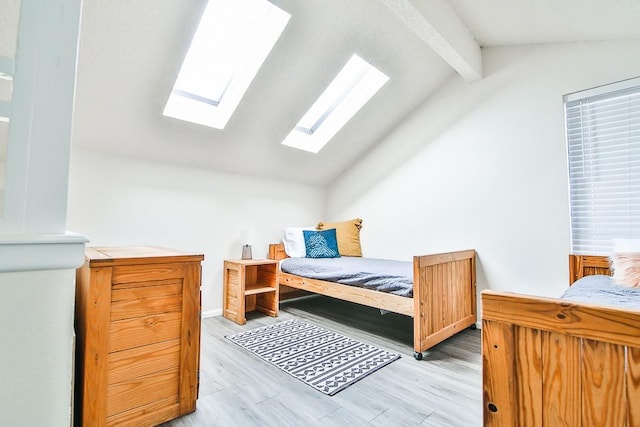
41 117
37 256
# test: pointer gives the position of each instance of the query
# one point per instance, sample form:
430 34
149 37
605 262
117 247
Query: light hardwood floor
239 389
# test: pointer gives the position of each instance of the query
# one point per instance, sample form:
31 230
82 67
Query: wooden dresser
138 335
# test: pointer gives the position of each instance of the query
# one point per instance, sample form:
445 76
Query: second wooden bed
444 295
553 362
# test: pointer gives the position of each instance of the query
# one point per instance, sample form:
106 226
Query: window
603 137
232 41
353 87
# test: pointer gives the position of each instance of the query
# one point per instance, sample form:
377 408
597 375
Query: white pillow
626 245
293 240
625 262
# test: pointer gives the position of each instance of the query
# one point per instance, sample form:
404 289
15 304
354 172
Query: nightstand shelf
250 285
258 288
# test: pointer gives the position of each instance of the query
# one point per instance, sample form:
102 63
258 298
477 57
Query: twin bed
441 300
562 362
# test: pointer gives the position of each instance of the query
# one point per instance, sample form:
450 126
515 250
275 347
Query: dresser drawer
141 391
151 414
139 331
134 273
140 361
142 375
144 299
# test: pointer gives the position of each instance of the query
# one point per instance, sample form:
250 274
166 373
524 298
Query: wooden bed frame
444 295
551 362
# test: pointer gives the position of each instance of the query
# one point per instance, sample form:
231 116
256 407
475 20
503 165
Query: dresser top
130 255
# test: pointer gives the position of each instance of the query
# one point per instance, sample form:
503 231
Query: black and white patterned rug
325 360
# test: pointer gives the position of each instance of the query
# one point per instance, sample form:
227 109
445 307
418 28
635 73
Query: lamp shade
246 236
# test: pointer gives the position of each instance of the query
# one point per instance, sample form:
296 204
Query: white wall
483 165
36 314
480 165
121 201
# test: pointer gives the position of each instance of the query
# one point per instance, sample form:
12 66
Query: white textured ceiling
131 51
513 22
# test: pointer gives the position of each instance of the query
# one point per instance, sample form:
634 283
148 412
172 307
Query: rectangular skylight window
353 87
232 41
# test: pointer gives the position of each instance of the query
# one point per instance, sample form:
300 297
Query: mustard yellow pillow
347 234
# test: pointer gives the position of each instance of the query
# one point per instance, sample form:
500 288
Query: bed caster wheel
417 355
473 327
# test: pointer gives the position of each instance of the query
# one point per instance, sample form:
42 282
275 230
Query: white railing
33 193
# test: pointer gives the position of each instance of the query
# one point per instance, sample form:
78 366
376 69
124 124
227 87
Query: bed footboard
586 265
444 293
552 362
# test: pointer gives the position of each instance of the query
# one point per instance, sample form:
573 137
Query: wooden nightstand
250 285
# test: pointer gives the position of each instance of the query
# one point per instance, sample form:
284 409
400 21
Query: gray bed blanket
395 277
600 289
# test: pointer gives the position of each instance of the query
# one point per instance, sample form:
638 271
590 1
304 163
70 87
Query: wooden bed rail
556 363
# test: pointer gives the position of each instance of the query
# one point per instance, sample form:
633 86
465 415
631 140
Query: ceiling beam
436 23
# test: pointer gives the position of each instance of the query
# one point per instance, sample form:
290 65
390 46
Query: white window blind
603 137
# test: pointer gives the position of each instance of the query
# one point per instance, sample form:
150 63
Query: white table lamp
245 237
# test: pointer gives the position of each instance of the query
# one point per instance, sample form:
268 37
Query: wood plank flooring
239 389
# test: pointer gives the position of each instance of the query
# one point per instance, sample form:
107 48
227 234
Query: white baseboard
211 313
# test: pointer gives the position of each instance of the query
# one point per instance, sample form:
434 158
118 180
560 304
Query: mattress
601 290
395 277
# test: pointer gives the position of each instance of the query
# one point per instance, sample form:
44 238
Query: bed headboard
276 251
587 265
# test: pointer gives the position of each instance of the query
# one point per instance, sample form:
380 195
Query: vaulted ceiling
131 51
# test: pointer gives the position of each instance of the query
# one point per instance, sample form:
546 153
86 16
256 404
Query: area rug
325 360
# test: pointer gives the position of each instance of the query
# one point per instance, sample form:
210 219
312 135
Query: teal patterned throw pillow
321 244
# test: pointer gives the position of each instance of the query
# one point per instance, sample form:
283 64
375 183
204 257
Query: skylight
232 41
353 87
